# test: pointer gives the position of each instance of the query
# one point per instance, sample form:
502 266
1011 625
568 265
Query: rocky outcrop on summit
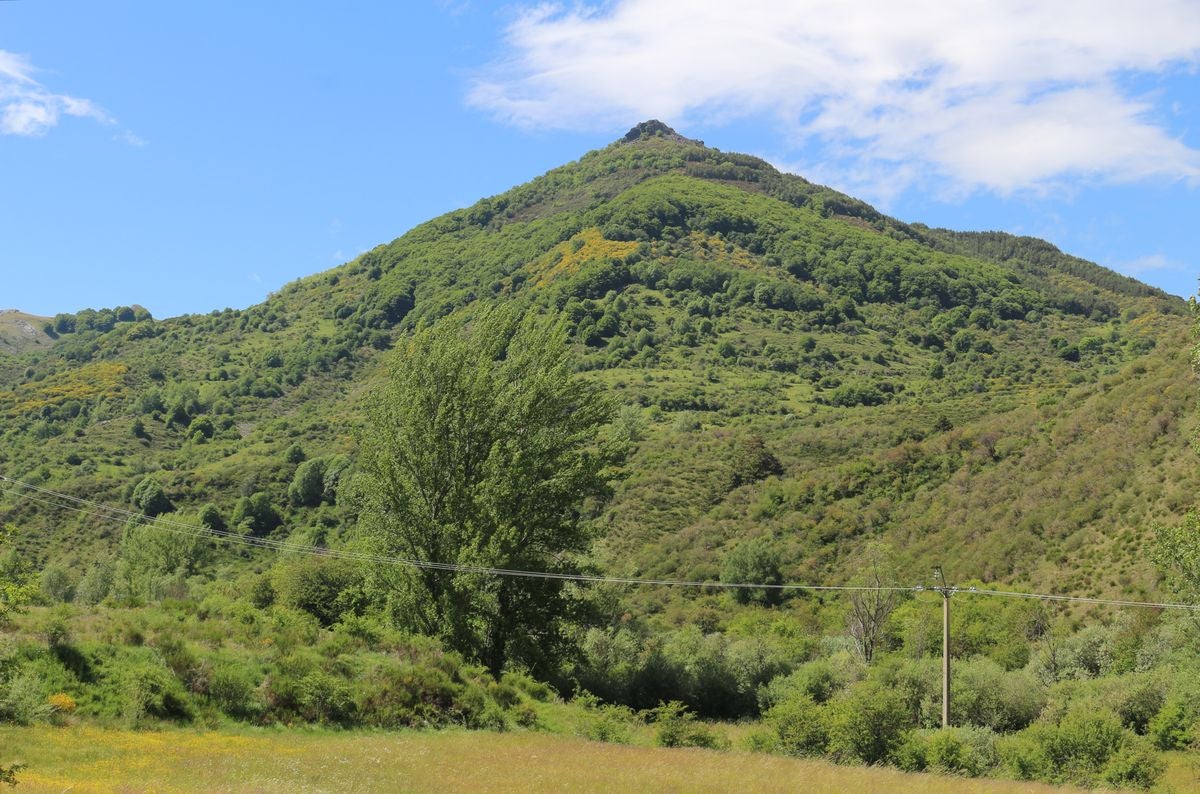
655 128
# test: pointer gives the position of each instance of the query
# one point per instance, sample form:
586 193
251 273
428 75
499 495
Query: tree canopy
481 450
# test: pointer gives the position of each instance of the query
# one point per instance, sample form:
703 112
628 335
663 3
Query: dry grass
86 759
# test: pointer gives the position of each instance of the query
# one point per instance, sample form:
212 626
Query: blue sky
190 157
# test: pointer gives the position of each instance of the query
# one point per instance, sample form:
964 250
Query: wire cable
55 499
99 510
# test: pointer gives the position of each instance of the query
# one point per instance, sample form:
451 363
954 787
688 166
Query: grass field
87 759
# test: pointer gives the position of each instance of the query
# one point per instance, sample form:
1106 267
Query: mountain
795 366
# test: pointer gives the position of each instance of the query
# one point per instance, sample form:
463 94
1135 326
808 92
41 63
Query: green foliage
16 584
209 516
479 454
8 774
800 725
157 556
1174 726
751 461
23 699
150 691
866 724
1134 766
316 585
965 751
256 514
986 695
233 689
1023 757
716 675
308 484
753 562
56 584
97 583
1177 553
1082 743
150 498
603 722
675 726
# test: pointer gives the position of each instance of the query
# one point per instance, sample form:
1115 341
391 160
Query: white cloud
125 136
29 108
1004 95
1149 264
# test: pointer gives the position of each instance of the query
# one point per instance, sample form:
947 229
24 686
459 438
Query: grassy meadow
90 759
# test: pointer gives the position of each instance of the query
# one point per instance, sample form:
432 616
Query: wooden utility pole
946 592
945 658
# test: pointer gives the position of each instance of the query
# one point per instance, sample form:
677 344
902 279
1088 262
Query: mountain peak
655 129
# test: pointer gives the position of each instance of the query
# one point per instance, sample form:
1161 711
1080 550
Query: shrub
491 718
526 716
56 627
753 562
308 484
867 724
1023 757
62 703
61 707
8 774
23 700
232 689
1135 765
209 516
984 694
752 461
800 726
1139 705
150 690
314 585
395 695
817 679
57 585
675 726
1172 728
967 751
1082 742
325 699
602 722
537 690
150 498
97 583
910 755
256 514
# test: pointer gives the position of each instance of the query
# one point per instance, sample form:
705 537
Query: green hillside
805 391
918 385
20 332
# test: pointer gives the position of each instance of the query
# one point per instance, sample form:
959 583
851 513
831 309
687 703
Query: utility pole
946 591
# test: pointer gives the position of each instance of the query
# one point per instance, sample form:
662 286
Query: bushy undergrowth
1093 707
262 666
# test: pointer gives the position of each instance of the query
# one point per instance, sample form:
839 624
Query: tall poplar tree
481 451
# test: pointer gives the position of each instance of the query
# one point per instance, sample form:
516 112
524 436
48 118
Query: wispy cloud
1152 263
29 108
125 136
1005 95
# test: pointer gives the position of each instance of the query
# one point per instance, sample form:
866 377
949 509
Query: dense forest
767 382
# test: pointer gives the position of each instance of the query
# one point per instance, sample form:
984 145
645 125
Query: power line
1078 599
99 510
19 489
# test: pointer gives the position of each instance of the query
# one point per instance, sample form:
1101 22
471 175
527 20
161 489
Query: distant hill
20 332
982 401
